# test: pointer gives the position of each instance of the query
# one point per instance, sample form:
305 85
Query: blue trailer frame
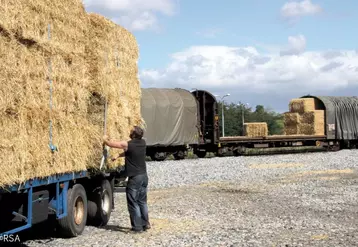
58 203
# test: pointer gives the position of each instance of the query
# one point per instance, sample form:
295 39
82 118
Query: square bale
255 129
312 123
302 105
291 118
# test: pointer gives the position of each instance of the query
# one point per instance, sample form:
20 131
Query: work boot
147 227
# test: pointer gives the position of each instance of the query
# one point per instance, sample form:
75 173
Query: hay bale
112 56
312 123
28 20
78 92
291 121
255 129
302 105
291 118
310 117
291 130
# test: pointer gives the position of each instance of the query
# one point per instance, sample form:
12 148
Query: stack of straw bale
303 118
255 129
91 58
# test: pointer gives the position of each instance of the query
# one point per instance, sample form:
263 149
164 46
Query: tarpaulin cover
341 116
170 116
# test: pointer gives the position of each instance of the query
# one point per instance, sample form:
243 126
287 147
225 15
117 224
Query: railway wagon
340 129
171 119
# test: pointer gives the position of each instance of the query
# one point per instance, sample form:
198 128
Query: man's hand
105 138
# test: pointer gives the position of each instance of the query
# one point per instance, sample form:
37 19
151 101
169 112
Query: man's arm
115 144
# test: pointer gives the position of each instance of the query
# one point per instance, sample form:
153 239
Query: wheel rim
78 210
105 202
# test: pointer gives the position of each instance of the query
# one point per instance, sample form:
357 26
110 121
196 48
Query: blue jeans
136 192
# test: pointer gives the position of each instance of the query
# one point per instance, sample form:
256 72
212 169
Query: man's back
135 157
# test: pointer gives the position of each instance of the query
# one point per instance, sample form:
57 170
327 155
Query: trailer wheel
100 204
75 222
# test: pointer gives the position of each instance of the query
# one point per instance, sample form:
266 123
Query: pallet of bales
54 84
255 129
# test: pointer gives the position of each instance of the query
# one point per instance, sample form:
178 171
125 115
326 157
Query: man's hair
137 132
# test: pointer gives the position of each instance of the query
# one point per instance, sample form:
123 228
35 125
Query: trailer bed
283 138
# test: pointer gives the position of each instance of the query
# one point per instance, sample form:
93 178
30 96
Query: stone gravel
279 200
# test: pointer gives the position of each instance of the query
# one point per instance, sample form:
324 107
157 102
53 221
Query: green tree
233 120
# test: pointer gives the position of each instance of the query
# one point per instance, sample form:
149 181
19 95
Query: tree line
234 113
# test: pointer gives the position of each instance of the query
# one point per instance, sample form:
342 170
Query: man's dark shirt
135 158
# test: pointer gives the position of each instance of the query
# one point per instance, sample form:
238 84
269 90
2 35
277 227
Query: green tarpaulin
170 116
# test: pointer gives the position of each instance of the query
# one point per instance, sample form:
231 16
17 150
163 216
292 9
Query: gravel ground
282 200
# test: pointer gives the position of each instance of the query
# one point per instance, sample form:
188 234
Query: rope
52 147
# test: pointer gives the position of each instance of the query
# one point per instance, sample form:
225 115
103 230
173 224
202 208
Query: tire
100 204
75 222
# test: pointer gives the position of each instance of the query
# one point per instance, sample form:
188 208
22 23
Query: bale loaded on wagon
66 78
313 122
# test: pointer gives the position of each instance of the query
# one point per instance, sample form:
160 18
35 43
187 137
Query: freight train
178 121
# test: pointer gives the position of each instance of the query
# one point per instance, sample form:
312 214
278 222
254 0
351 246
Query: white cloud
136 15
296 70
210 32
297 45
294 10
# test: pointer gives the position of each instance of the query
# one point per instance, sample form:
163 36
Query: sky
259 51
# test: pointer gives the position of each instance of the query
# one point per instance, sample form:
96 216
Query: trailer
74 200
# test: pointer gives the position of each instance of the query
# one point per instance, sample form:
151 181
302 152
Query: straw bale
312 123
291 129
316 116
291 121
255 129
112 55
28 20
291 118
80 86
302 105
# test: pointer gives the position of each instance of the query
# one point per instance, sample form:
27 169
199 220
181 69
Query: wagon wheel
220 152
200 154
159 156
180 155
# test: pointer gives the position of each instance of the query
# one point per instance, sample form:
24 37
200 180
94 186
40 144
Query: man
136 170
